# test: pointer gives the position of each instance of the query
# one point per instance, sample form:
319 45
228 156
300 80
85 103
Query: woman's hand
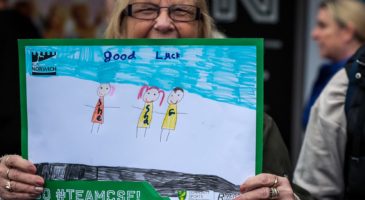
18 179
266 186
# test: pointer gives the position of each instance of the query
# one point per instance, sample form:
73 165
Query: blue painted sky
220 73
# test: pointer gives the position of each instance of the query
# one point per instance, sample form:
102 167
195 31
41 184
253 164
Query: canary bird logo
181 194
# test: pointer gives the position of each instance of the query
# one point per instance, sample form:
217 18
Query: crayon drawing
149 95
170 119
194 116
99 109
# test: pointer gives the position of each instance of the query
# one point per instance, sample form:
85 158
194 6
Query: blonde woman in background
339 32
321 165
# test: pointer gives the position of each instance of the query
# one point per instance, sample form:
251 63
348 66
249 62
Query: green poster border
258 42
23 98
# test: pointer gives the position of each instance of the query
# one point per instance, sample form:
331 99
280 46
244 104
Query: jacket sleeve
276 157
320 165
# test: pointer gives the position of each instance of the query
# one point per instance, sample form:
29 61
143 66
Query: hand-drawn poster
142 119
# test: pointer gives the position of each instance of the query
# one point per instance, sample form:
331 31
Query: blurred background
291 56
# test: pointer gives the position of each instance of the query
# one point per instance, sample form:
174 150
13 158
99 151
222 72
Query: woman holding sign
164 19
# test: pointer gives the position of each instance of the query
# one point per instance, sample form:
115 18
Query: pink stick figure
148 95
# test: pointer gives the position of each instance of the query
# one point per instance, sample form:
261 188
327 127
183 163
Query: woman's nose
163 22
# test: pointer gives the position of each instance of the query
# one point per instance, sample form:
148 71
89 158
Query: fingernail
39 189
40 182
32 169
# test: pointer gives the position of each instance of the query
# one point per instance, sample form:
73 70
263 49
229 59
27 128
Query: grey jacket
320 166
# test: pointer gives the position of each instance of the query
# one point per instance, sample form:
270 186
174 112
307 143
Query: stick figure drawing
98 114
148 95
170 119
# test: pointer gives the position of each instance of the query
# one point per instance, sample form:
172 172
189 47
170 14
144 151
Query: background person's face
163 26
329 36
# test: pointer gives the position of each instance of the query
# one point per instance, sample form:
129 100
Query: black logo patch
37 68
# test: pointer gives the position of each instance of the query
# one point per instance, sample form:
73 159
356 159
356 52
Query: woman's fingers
264 193
25 188
18 196
261 180
24 177
259 193
18 179
15 168
16 190
266 186
15 161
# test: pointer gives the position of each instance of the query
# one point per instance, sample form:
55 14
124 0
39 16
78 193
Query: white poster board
184 116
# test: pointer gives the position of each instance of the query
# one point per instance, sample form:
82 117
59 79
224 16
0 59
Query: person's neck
348 51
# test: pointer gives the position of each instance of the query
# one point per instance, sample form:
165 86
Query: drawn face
175 97
163 26
151 95
103 89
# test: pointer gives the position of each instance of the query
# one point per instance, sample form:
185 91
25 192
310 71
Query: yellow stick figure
170 119
149 96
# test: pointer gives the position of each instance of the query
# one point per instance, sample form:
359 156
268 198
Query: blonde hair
117 24
345 12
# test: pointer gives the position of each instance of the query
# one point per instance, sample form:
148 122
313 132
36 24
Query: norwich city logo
181 194
37 67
